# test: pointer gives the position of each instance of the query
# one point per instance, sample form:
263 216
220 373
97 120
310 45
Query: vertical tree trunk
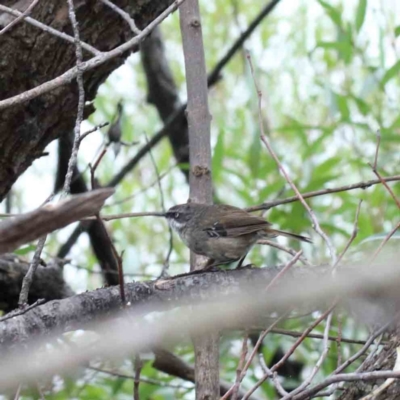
198 116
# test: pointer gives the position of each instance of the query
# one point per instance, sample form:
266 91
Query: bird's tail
277 232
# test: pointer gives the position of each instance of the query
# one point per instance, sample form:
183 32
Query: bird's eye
176 215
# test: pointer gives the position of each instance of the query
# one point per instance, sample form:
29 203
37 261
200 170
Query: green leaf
334 14
397 31
360 15
25 250
343 107
343 48
218 155
254 154
362 106
391 73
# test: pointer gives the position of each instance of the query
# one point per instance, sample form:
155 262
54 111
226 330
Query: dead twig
264 139
384 241
28 278
81 98
289 352
352 237
49 29
284 269
117 256
374 167
165 268
239 369
124 15
100 59
20 17
30 226
283 248
360 185
138 367
96 128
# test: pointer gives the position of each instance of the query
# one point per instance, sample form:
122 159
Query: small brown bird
223 233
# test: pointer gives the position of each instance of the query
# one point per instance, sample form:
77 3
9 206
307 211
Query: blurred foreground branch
35 224
217 300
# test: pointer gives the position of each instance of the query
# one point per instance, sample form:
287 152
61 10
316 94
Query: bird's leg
211 266
240 263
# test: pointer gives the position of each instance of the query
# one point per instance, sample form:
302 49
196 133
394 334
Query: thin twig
383 181
19 18
374 167
94 62
352 237
81 98
366 346
28 278
378 143
22 311
142 380
316 336
118 257
18 392
165 268
138 367
318 364
49 29
360 185
239 369
284 269
253 353
283 248
350 377
339 340
384 241
264 139
112 217
289 352
96 128
272 375
142 190
94 168
124 15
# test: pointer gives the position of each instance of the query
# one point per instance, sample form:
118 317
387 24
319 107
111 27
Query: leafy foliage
330 79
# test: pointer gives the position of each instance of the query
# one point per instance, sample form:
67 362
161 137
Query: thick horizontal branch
216 300
77 311
30 226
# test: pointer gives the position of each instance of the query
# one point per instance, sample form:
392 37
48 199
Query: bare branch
316 193
33 225
72 73
49 29
81 99
26 283
264 139
124 15
19 18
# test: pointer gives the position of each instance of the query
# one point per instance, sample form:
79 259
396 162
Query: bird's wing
237 224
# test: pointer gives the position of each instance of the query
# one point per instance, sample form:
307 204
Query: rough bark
383 360
31 57
173 365
206 347
76 311
48 282
163 94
